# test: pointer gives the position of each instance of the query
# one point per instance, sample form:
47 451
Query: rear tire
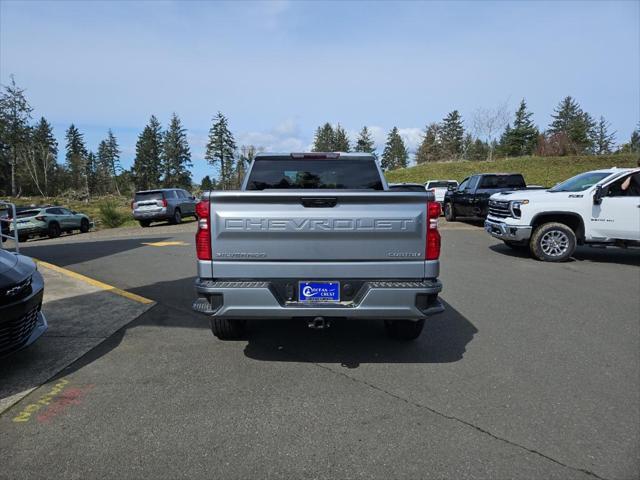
553 242
404 329
177 217
226 329
23 238
84 225
144 223
54 230
449 214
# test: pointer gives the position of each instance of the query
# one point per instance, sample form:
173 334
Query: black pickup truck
471 198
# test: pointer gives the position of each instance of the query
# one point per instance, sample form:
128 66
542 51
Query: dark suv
164 204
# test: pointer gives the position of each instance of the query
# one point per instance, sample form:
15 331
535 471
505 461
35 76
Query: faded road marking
95 283
27 412
165 244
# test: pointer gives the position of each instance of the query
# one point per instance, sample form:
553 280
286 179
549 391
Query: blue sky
279 69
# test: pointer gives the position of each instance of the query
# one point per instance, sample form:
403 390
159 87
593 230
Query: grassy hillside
545 171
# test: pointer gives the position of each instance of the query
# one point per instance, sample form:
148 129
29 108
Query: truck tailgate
312 226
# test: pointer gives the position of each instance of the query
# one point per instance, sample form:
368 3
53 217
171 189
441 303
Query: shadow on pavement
614 255
353 342
64 254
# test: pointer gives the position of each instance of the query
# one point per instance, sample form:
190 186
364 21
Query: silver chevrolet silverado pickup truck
317 237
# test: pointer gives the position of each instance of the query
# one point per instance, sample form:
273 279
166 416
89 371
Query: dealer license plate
319 291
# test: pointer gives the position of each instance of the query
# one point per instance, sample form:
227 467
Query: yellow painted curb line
165 244
95 283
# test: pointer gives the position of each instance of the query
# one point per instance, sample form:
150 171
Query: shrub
110 216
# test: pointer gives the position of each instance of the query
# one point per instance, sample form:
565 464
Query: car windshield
295 173
442 184
580 182
142 196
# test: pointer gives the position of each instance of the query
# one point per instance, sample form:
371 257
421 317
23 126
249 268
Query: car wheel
54 230
177 217
404 329
226 329
144 223
84 225
449 214
553 242
23 238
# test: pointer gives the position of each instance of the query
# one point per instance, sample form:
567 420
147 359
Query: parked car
315 237
165 204
440 188
48 221
471 197
590 208
21 290
406 187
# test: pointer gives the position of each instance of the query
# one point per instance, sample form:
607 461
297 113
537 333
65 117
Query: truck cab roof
317 155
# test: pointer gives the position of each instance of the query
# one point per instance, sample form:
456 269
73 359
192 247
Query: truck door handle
319 202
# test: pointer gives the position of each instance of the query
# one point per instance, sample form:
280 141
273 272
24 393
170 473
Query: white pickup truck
600 207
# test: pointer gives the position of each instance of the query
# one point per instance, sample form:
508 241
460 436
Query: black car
471 198
21 290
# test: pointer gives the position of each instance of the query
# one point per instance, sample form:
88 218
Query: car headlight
515 207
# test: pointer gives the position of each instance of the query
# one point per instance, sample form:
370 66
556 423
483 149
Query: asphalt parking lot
532 372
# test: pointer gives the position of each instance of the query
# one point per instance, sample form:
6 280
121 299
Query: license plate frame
312 291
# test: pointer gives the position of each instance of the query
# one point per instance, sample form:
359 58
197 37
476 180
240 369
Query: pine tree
365 143
221 150
45 149
452 135
15 113
113 161
207 184
247 154
633 145
76 160
324 139
91 174
430 150
570 120
523 137
603 140
476 150
176 156
147 165
340 140
395 154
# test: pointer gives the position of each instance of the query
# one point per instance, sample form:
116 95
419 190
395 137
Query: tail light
164 202
203 235
41 218
432 250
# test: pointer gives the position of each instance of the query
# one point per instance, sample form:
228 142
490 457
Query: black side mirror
597 195
450 188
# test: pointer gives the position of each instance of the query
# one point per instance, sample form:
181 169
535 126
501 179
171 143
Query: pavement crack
461 421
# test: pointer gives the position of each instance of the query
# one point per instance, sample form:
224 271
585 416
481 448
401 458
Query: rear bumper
409 300
504 231
161 214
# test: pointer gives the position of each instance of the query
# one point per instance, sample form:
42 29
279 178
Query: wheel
177 217
516 245
144 223
449 214
553 242
54 230
84 225
23 238
404 329
226 329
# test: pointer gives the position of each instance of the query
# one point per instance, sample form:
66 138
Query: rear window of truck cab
305 173
502 181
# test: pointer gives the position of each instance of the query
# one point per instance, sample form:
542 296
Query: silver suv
165 204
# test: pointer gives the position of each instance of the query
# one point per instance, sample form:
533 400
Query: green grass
121 205
546 171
